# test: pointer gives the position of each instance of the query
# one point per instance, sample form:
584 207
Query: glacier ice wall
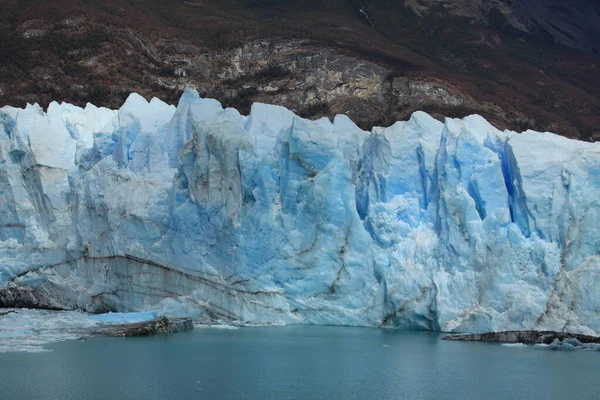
198 210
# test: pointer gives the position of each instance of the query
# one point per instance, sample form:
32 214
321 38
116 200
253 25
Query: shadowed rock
545 337
162 325
3 313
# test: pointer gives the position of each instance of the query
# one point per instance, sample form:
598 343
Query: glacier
202 212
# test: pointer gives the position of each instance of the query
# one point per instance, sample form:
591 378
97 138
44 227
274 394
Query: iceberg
199 211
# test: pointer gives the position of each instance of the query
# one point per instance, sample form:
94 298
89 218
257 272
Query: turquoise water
298 362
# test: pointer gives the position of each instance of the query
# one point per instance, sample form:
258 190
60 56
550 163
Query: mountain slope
377 61
571 23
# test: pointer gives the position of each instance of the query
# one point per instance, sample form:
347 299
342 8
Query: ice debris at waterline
125 318
522 337
201 212
567 345
30 330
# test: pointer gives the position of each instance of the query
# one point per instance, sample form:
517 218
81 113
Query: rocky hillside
571 23
522 65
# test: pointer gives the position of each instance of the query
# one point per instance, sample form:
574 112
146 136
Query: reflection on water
296 362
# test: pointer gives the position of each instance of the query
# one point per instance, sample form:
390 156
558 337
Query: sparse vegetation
271 72
397 73
242 100
82 50
317 109
61 44
99 94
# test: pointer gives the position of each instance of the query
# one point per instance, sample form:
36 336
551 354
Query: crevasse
200 211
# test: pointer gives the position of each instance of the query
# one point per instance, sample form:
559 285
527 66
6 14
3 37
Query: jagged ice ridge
200 211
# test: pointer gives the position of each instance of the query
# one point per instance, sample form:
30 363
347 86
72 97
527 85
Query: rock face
543 337
201 212
162 325
541 340
376 61
572 23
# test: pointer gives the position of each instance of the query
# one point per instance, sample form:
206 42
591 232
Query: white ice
124 318
199 211
29 330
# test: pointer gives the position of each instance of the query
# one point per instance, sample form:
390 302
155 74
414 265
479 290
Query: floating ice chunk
573 342
567 347
27 330
125 318
217 326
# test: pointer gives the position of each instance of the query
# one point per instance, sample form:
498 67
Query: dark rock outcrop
15 296
527 337
161 325
525 64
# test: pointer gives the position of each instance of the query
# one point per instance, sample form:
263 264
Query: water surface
296 362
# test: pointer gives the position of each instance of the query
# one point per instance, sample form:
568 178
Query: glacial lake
296 362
